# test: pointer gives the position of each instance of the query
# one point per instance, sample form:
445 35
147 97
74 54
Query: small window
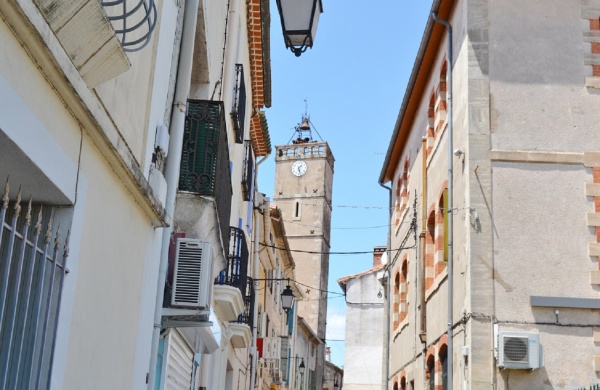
297 210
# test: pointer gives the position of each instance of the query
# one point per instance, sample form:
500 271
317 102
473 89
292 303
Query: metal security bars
238 111
33 267
247 316
205 158
248 172
236 271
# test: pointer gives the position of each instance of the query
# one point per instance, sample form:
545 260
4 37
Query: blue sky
354 80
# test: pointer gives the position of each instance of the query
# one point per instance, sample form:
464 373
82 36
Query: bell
304 125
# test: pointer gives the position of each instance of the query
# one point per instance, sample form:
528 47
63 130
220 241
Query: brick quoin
596 70
595 24
596 174
595 47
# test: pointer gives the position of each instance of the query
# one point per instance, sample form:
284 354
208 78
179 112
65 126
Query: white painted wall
365 321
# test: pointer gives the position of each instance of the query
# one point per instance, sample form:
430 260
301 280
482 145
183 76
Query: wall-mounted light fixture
299 20
287 296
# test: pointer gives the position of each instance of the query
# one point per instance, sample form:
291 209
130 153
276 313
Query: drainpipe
450 197
386 346
261 207
422 244
182 89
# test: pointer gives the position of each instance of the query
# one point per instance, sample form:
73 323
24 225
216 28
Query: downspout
261 207
386 346
422 246
450 199
182 88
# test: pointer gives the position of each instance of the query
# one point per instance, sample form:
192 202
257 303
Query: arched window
430 372
396 300
430 251
441 104
443 355
403 383
403 291
441 237
431 122
396 386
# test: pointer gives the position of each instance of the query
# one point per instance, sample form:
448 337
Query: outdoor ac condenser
518 350
191 278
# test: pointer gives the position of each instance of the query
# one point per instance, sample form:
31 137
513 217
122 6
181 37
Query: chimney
378 252
327 354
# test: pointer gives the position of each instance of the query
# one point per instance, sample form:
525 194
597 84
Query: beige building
303 191
333 378
497 136
276 328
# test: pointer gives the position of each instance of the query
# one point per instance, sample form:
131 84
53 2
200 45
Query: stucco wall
363 362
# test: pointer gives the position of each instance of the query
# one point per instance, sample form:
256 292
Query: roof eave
414 89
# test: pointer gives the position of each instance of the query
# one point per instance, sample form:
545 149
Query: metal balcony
204 166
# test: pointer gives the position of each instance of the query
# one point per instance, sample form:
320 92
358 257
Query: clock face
299 168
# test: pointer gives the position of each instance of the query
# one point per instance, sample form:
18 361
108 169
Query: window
430 250
444 363
441 104
297 210
238 109
30 300
430 373
396 300
404 291
248 172
441 238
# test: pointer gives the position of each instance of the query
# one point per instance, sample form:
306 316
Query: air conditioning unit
191 278
518 350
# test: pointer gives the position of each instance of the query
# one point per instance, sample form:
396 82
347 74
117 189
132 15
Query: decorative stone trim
594 276
532 156
591 39
596 332
593 249
596 362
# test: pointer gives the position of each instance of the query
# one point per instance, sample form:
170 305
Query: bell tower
303 190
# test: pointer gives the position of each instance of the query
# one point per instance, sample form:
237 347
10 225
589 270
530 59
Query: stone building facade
511 203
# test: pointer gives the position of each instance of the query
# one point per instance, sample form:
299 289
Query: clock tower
303 188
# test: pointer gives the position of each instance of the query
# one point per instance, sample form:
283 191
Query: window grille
33 267
205 166
248 172
238 111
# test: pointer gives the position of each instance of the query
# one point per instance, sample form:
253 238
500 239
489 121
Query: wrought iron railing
236 271
238 111
205 158
248 172
247 316
33 267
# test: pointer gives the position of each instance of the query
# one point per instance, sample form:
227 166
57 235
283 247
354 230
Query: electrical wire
334 252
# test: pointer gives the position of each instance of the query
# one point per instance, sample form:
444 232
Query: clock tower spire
303 190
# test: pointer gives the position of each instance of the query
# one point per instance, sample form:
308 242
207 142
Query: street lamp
299 19
301 367
287 298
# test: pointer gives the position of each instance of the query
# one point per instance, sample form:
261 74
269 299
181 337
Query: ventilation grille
192 269
515 349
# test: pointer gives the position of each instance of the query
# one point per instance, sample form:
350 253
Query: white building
364 358
87 122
